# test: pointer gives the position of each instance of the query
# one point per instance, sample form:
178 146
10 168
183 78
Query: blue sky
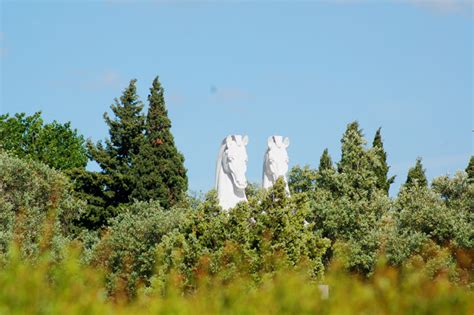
298 69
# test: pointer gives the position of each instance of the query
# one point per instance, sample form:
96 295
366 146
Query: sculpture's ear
245 140
286 142
271 142
228 140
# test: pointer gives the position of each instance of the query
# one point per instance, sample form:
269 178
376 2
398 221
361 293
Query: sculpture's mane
236 139
219 161
278 140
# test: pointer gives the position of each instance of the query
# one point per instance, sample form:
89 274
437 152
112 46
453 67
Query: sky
258 68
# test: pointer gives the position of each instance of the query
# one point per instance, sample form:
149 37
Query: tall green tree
302 179
325 175
307 180
126 132
352 149
416 175
325 162
55 144
159 170
357 177
381 168
470 169
90 187
349 206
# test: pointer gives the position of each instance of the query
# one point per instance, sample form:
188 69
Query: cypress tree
325 162
159 167
325 174
352 149
470 169
416 175
381 168
349 207
115 158
356 175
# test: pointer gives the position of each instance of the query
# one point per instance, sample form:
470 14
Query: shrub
435 224
36 207
69 287
248 240
128 248
55 144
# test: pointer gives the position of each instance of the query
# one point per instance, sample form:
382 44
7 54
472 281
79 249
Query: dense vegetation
127 239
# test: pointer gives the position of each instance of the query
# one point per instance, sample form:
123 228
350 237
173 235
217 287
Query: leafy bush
421 209
128 249
415 251
36 207
243 241
69 287
434 223
55 144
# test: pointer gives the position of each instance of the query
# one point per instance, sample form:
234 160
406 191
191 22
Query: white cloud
435 6
231 95
89 80
175 98
444 6
106 79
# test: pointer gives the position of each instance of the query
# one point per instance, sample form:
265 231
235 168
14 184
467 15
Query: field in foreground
71 288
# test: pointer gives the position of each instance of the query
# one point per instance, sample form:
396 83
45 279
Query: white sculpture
276 161
230 172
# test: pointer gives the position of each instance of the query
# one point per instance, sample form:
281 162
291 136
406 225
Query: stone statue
230 171
276 161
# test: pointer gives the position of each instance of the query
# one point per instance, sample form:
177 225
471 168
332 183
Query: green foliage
128 250
456 192
178 254
420 209
104 191
381 168
115 158
438 220
158 169
54 144
416 175
249 240
307 180
36 206
354 224
470 169
326 172
281 226
139 162
69 287
357 177
302 179
325 162
253 190
90 188
348 204
352 149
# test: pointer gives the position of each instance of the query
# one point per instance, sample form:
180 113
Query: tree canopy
416 175
158 168
55 144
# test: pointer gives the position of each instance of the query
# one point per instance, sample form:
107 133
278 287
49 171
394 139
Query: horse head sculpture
230 171
276 161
